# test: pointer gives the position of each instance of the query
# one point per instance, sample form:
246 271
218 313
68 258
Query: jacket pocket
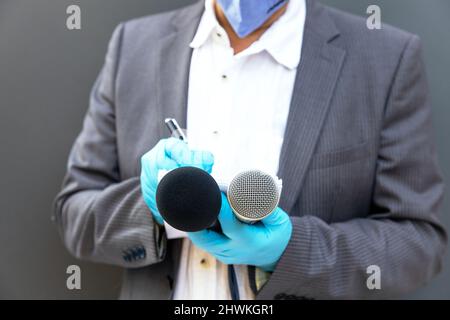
340 157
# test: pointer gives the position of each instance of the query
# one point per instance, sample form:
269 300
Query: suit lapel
173 59
317 75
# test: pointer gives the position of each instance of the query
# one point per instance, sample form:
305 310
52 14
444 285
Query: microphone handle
216 227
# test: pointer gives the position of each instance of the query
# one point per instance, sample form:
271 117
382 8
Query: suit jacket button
280 296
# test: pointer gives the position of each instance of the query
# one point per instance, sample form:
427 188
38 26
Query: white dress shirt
237 108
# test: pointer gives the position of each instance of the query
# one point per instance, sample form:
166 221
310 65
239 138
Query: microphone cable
233 283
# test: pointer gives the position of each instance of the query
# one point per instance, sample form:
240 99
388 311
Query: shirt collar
208 23
278 40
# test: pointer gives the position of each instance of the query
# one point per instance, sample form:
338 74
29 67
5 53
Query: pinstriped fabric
133 218
375 170
360 178
101 217
316 79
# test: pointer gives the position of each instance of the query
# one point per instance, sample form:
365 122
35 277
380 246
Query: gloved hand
168 154
260 244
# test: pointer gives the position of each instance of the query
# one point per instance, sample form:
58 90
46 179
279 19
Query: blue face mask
245 16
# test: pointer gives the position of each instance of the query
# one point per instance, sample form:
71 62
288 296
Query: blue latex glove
260 244
168 154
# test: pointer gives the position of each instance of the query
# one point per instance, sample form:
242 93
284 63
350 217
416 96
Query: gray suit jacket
360 179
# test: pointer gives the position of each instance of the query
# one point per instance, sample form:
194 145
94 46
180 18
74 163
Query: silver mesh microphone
253 195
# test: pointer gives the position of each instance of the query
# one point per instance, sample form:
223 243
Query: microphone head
188 199
253 195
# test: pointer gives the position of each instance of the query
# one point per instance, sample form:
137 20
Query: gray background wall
46 73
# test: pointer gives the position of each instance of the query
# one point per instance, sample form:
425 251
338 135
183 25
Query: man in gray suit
361 184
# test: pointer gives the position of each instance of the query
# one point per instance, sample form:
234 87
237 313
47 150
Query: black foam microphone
189 199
